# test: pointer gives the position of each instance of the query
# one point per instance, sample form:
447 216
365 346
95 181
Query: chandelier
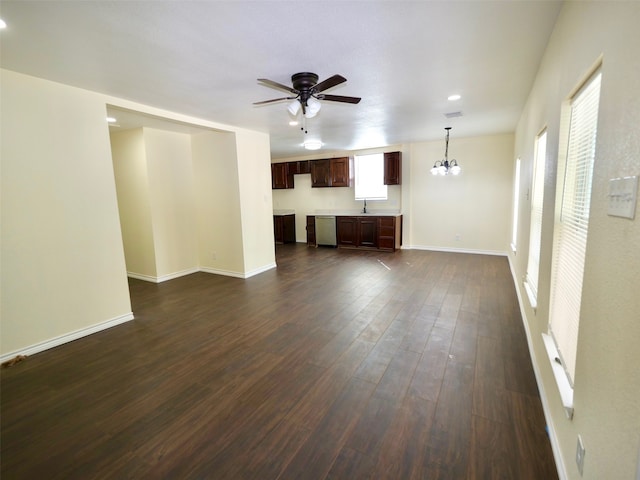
446 167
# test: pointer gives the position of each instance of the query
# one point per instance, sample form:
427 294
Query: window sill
532 296
566 391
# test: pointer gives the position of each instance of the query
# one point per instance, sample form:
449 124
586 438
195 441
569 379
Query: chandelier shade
446 166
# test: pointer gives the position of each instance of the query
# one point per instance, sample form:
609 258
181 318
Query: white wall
63 265
172 200
218 203
191 192
256 208
468 212
607 378
132 185
156 199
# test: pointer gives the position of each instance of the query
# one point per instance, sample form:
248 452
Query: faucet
364 210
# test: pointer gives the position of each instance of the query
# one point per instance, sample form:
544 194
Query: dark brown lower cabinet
389 233
370 232
357 232
284 228
347 231
311 231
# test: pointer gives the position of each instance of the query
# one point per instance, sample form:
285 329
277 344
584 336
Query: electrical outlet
580 455
214 256
457 237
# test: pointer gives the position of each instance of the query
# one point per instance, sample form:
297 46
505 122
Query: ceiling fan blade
271 83
329 82
274 100
339 98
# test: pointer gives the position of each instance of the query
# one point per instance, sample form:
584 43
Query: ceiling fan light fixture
294 107
313 107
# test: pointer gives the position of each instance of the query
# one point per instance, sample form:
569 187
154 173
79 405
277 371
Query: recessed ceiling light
3 24
293 123
453 98
313 144
111 120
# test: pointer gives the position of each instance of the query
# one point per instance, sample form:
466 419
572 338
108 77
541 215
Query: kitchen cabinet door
340 172
280 177
320 173
347 231
298 167
284 228
387 233
393 168
367 232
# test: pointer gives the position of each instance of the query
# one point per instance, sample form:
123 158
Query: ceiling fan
307 91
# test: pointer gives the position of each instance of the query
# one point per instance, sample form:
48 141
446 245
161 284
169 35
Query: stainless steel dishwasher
326 230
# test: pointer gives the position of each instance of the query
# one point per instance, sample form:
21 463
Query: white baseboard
456 250
229 273
226 273
140 276
182 273
162 278
67 337
257 271
553 437
214 271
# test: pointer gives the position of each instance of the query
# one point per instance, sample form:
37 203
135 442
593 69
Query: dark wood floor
336 365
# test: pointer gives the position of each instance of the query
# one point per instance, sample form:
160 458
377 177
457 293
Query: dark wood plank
532 442
333 365
492 451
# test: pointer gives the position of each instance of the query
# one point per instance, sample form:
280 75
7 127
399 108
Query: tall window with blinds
575 172
516 206
535 231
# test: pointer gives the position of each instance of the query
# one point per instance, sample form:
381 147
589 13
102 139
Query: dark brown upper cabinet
340 172
393 168
334 172
320 173
298 167
280 178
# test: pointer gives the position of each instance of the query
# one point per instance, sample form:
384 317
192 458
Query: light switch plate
623 196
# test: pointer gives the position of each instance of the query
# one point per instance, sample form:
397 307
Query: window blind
516 206
572 223
535 232
369 181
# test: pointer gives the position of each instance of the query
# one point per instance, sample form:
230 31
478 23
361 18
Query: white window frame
571 222
535 231
369 177
516 206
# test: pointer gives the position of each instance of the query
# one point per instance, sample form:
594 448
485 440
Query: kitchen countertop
357 213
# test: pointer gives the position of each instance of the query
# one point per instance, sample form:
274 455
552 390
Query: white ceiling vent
453 114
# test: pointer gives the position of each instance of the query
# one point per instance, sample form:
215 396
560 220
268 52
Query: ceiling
203 59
